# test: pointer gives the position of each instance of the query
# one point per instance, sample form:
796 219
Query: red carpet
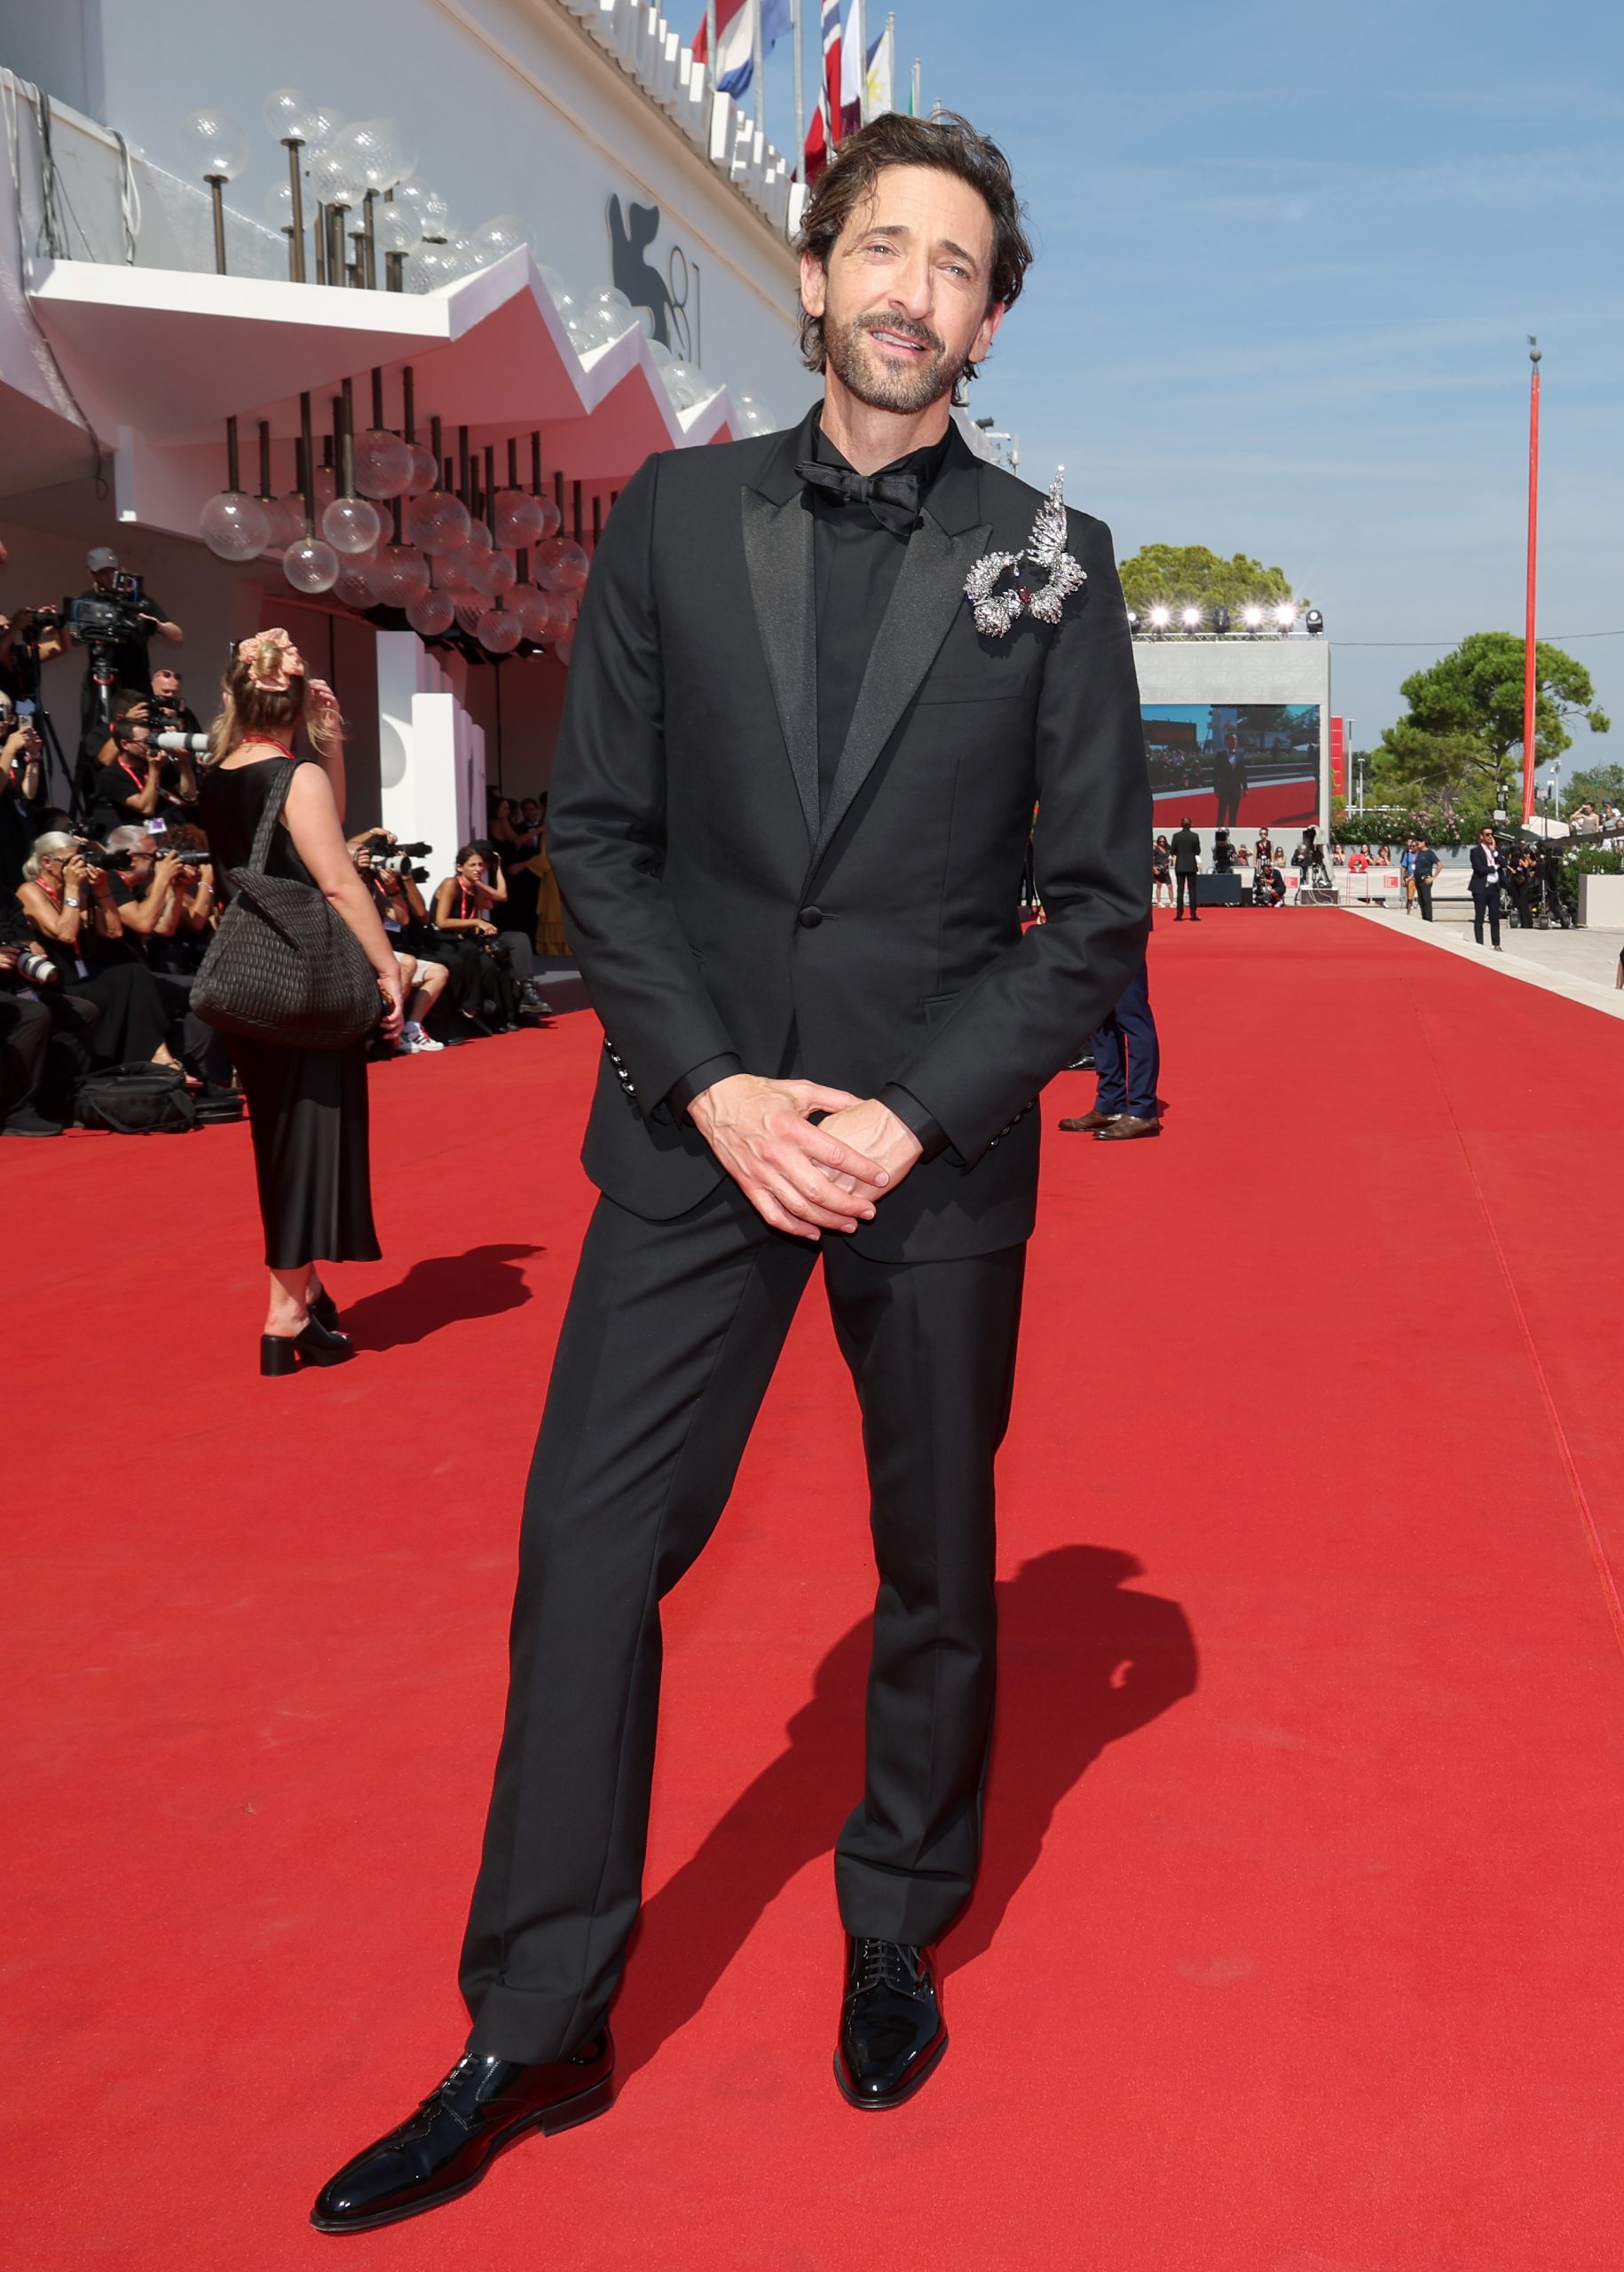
1296 1946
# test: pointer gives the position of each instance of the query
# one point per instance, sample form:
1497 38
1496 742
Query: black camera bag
136 1100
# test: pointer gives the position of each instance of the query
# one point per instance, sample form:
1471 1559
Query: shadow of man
439 1292
1082 1661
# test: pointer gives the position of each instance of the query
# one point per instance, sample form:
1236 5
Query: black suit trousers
1187 886
1485 903
673 1332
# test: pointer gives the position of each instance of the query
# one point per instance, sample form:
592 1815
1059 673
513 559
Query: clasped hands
803 1178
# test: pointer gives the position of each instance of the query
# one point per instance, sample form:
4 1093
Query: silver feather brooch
997 611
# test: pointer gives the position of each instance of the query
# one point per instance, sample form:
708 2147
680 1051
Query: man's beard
885 385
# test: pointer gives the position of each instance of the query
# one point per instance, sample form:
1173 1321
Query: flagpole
1530 660
758 67
710 42
801 90
863 62
914 97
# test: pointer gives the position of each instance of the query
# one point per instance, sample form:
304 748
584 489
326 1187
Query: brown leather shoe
1090 1123
1123 1130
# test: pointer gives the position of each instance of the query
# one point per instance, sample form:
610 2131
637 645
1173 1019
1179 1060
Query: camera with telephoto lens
115 864
33 968
181 744
397 865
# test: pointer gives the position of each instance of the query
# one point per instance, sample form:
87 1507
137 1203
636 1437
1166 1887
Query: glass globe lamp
494 240
497 574
432 616
560 565
472 610
552 518
397 228
456 575
616 307
372 148
309 565
278 206
562 648
429 208
329 120
529 606
351 526
499 631
398 576
335 178
478 537
290 115
437 523
213 147
235 526
289 519
382 464
353 584
516 518
425 474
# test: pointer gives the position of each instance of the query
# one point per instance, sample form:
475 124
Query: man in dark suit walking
821 680
1486 886
1186 849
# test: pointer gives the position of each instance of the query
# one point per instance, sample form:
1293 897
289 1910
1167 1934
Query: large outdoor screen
1234 764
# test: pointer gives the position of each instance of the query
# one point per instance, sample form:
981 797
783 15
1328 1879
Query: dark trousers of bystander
1186 885
1486 903
1424 894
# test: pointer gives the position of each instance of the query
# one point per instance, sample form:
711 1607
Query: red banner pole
1529 672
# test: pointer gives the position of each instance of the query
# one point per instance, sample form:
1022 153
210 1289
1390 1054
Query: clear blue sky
1287 260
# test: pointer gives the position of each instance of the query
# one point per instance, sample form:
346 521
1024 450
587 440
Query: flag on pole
851 71
882 71
832 72
736 40
814 157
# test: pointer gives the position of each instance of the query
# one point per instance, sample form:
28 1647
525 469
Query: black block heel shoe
285 1352
324 1309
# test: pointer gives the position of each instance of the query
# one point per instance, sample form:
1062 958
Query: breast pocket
991 683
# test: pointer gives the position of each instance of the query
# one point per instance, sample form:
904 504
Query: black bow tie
892 497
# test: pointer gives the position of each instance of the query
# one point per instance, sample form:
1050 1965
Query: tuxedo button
810 918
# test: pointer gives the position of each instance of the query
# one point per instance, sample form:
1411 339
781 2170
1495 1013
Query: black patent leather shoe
891 2032
280 1354
482 2107
324 1309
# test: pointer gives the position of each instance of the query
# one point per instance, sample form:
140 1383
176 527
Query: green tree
1466 717
1187 575
1596 782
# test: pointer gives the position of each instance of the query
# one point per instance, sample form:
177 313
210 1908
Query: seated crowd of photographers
104 922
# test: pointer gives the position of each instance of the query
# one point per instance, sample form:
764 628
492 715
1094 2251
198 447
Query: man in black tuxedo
790 812
1185 849
1486 886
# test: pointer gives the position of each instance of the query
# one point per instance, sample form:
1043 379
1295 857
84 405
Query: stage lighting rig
1285 617
1190 616
1252 617
1220 621
1159 618
1313 623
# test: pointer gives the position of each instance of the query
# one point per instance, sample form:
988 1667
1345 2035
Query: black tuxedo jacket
1186 849
1479 872
714 907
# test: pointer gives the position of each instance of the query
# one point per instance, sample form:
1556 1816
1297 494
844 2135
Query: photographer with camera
164 894
116 619
392 880
462 906
21 790
127 783
45 1034
67 901
169 713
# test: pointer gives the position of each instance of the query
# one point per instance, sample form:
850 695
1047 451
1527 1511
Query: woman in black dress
307 1108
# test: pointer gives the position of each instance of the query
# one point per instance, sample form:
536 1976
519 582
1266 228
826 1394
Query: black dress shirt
856 563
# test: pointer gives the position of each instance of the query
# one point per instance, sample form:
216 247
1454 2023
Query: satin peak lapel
929 594
778 553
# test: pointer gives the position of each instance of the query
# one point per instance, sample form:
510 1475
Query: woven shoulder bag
285 966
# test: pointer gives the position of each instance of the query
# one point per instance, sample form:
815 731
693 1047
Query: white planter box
1601 903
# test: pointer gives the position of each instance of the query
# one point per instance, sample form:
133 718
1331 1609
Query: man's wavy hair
952 145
